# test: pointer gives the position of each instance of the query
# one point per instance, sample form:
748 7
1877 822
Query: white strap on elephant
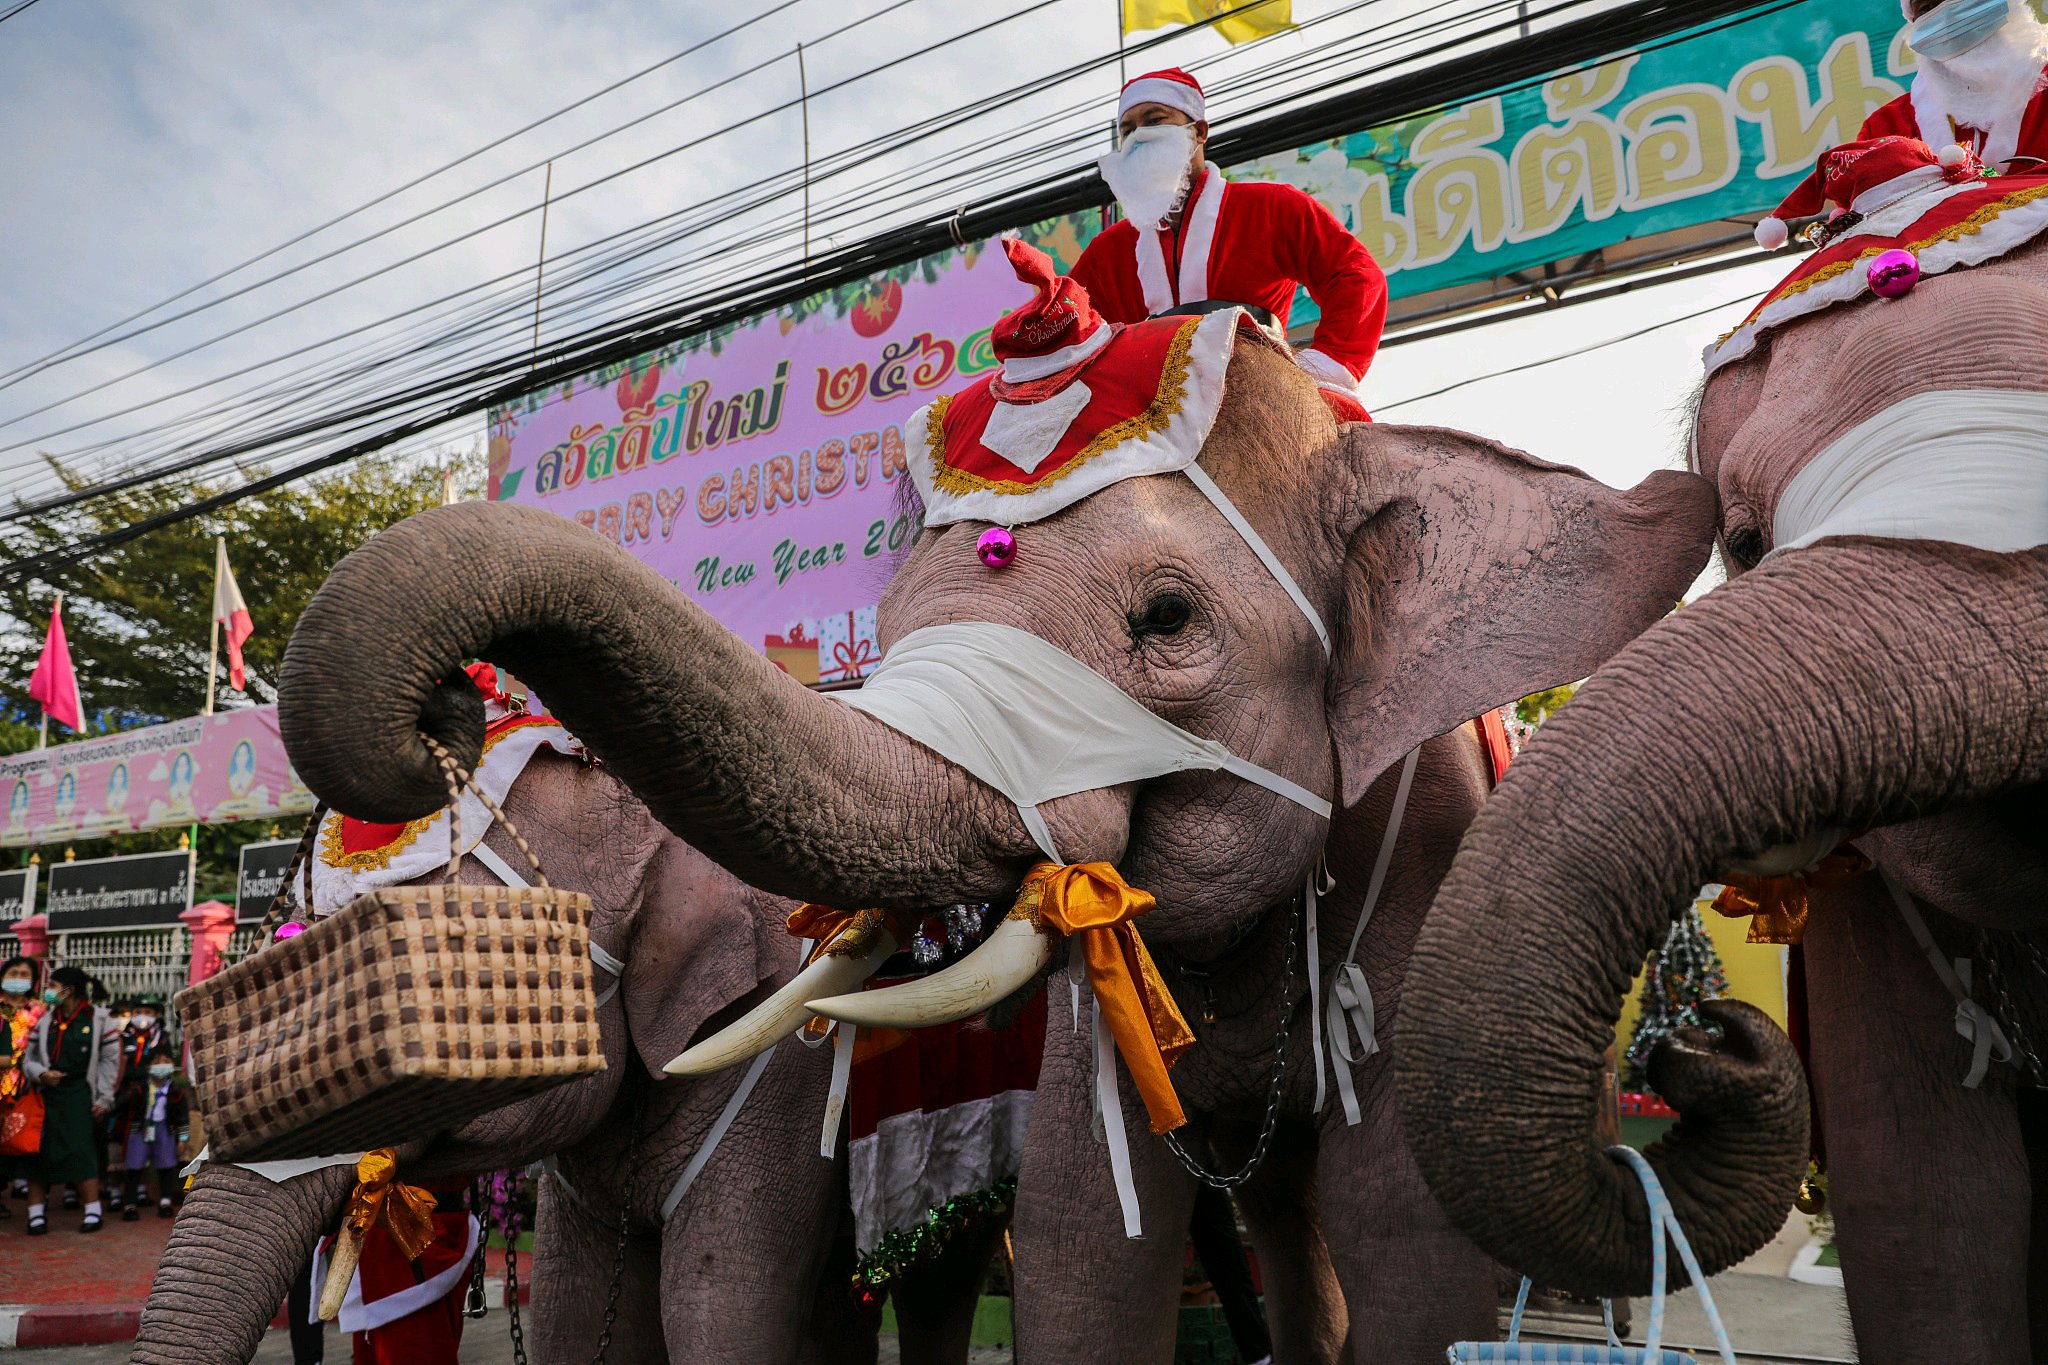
1987 1040
1350 994
1968 466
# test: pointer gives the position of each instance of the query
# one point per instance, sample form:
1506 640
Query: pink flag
53 683
231 612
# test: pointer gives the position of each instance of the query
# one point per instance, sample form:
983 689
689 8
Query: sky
148 147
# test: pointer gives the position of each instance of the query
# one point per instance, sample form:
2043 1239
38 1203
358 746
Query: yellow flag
1246 19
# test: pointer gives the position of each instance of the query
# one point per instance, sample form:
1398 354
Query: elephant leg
1085 1292
936 1300
574 1252
744 1250
841 1332
1412 1282
1928 1180
1304 1302
2033 1112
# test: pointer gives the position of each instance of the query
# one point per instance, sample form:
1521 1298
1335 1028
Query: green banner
1716 125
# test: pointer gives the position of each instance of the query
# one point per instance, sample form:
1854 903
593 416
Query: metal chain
473 1306
510 1224
618 1276
2026 1060
1273 1087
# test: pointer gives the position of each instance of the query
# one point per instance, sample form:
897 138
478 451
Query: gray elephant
1454 576
1872 672
722 1278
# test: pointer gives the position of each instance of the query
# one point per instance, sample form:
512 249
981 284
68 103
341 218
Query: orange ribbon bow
846 933
409 1217
1091 900
1779 903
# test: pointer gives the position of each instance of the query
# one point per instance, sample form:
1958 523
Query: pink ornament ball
288 930
997 547
1893 273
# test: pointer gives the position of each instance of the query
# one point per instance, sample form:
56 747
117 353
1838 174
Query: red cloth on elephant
938 1116
409 1312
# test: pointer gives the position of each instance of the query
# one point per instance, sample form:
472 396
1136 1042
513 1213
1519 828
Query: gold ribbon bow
1091 900
1779 903
408 1217
848 933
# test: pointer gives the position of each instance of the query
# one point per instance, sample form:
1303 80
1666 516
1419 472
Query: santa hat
1864 176
1173 87
1079 404
1056 331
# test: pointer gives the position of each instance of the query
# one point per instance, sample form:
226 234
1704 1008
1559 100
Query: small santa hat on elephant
1865 177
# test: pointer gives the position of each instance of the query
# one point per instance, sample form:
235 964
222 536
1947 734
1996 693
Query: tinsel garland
1678 976
903 1248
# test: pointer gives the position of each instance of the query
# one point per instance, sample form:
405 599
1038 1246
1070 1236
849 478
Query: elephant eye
1166 614
1746 546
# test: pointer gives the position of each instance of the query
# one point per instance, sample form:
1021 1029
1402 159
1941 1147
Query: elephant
1457 574
1880 687
720 1280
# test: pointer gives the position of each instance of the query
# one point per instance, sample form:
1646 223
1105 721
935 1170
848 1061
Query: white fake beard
1150 174
1993 81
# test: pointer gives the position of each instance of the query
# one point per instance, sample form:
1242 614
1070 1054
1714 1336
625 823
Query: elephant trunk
791 791
238 1243
1848 685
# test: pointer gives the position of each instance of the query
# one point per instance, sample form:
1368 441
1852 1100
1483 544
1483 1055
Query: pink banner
205 770
758 468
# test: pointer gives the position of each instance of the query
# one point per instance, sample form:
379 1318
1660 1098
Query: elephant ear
702 941
1476 575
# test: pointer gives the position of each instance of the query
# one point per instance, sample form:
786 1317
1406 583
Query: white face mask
145 1022
1150 171
16 985
1034 722
161 1071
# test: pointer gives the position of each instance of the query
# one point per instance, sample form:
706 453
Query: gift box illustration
795 652
846 645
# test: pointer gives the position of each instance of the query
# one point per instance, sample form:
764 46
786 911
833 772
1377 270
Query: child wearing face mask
74 1056
158 1115
141 1034
20 1007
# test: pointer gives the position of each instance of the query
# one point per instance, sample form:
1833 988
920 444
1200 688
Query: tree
1678 976
137 616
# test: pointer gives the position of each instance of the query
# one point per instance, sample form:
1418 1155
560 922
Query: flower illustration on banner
846 645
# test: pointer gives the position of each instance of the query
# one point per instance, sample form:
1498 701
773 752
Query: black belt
1262 316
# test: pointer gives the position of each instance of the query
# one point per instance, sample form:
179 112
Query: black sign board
263 867
17 893
141 891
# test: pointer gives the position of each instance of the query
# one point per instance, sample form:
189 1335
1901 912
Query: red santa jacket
1914 114
1248 242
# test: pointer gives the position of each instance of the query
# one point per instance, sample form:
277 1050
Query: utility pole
540 266
803 87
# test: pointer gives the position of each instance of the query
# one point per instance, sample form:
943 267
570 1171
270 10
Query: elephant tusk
1017 951
1800 855
341 1268
782 1013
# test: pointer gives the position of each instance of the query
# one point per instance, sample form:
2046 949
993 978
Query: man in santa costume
1982 64
1188 237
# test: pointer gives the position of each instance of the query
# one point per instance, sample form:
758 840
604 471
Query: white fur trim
1327 372
1200 223
335 887
1157 90
916 1161
1152 281
1771 233
1025 433
2013 228
1025 368
1899 188
1161 453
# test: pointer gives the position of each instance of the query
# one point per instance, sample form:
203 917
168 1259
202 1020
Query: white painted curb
1807 1269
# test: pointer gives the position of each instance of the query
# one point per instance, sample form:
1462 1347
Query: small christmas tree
1685 971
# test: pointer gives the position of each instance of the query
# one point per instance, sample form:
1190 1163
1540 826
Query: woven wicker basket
410 1011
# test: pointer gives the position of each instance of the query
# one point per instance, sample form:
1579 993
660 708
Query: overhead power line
1505 65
